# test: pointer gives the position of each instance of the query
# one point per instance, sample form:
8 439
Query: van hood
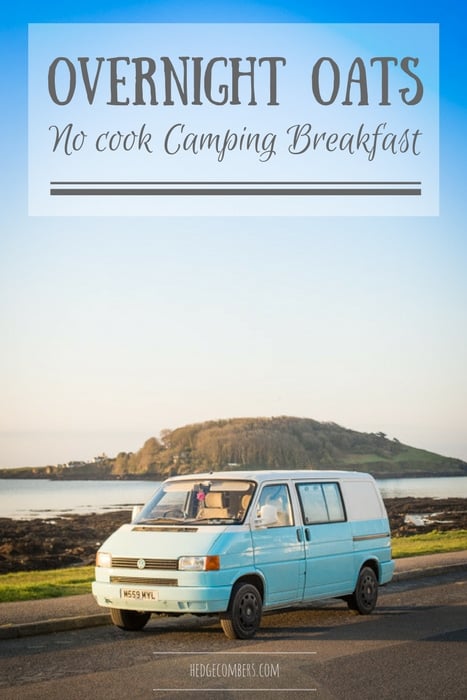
168 542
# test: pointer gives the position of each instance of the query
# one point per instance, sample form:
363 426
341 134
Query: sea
24 499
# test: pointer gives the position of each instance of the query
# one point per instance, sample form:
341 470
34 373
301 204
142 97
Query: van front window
277 496
200 502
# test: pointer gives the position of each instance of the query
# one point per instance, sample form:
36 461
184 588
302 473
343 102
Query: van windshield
200 502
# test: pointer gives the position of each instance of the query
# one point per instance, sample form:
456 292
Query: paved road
58 614
413 646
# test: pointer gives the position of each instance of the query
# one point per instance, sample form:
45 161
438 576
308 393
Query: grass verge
34 585
430 543
30 585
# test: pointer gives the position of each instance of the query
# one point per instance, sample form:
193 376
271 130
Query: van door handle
307 534
299 535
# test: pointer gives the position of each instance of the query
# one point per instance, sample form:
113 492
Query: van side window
321 503
277 495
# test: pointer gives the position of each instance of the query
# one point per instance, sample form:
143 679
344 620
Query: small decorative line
235 188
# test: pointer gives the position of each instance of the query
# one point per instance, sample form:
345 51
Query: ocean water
432 487
41 498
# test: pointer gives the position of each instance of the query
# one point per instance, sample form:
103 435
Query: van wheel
130 620
243 617
364 598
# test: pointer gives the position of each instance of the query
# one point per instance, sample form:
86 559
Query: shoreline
28 473
73 539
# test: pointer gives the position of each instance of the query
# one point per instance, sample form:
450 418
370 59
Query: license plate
138 594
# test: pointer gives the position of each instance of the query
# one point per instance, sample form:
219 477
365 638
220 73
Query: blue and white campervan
237 543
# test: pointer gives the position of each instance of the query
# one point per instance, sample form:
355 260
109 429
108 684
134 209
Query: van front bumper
162 599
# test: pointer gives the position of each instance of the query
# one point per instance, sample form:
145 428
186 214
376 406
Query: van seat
213 506
283 518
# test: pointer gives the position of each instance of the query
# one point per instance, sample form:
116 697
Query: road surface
413 646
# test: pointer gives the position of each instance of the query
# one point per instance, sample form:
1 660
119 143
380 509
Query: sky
115 328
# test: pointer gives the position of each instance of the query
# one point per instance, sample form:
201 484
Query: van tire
365 595
243 617
130 620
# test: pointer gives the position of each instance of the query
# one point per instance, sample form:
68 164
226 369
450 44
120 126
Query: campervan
235 544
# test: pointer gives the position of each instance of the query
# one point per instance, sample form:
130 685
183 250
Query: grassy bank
29 585
430 543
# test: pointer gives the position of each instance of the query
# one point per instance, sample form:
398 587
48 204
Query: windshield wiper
216 519
164 521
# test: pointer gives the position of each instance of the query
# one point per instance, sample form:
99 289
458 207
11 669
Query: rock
440 514
38 544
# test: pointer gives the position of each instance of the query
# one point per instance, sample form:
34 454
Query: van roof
261 475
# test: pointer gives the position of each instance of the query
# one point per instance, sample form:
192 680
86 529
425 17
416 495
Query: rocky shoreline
39 544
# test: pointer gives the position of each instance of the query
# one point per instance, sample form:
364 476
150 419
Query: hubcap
368 590
248 610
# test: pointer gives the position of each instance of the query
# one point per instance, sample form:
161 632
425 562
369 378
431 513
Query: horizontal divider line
236 191
207 183
236 653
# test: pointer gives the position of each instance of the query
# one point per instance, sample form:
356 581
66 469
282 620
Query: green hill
285 442
264 443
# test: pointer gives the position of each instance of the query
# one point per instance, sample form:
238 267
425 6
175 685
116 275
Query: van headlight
104 559
209 563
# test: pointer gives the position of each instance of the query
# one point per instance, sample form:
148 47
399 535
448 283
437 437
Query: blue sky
115 328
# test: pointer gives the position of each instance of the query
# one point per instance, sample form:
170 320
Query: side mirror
267 516
136 510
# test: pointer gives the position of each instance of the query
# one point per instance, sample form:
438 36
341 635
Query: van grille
132 563
144 581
